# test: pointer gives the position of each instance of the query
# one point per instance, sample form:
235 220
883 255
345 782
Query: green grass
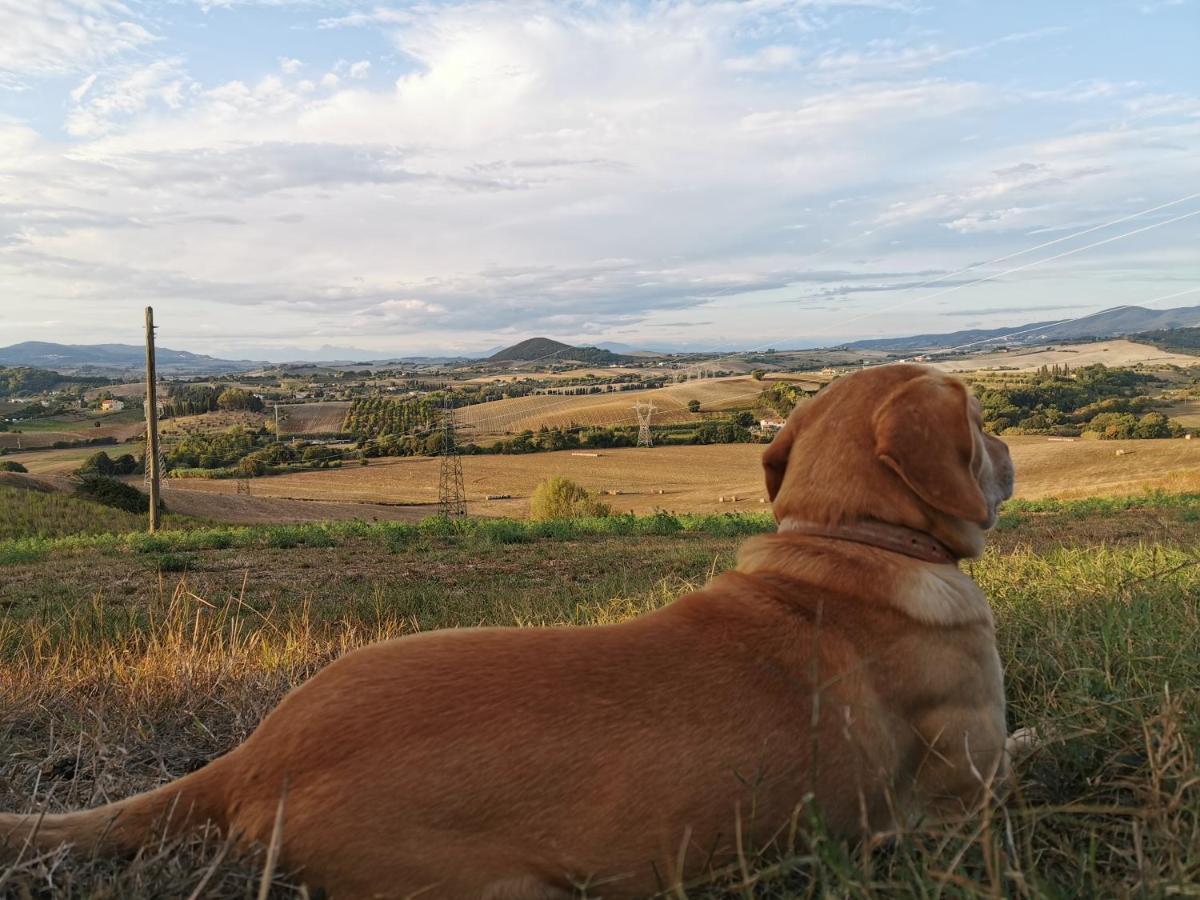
74 536
131 657
33 521
77 422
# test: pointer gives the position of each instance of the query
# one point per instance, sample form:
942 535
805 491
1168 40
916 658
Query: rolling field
63 462
211 422
74 427
126 662
688 479
1110 353
602 410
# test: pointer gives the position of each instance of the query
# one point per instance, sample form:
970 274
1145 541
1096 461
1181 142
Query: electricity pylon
645 439
452 498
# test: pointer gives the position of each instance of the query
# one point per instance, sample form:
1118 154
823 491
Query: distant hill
116 357
545 350
1118 321
1177 340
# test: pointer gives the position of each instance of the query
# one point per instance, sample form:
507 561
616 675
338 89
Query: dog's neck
884 535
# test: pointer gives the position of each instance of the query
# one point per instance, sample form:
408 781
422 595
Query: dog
846 668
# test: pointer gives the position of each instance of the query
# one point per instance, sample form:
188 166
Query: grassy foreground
126 659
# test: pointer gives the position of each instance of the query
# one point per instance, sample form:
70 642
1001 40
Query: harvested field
1093 469
1185 412
63 462
312 418
229 506
1110 353
690 479
603 410
75 427
133 390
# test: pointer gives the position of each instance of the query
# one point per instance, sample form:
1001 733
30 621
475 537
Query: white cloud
577 167
59 37
124 93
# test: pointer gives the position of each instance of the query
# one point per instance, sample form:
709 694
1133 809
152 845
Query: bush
561 498
9 466
98 463
112 492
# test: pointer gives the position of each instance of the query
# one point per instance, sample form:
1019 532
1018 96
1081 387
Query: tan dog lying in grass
847 661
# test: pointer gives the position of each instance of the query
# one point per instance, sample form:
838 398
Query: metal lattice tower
162 468
452 497
644 412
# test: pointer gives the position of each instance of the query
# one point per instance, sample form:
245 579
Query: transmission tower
644 412
452 498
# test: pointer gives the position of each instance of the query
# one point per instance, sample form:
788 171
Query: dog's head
900 443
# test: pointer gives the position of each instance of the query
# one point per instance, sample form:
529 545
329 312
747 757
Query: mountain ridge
1113 322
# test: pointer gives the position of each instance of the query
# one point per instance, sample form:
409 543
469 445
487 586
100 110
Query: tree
97 464
560 498
1156 425
693 406
239 398
758 374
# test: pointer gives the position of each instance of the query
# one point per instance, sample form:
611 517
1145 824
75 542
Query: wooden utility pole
152 421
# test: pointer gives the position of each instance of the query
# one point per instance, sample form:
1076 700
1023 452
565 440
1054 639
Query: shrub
98 463
9 466
112 492
561 498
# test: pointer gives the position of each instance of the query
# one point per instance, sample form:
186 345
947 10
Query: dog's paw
1022 742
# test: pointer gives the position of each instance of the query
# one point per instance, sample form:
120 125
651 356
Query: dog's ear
775 457
923 432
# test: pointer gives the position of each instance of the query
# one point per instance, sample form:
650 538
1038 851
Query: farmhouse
112 405
772 423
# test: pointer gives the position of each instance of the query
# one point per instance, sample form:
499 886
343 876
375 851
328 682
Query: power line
1041 246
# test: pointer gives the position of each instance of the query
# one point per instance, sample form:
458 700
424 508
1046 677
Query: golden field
1110 353
603 410
680 479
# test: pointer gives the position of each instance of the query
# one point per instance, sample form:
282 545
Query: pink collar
885 536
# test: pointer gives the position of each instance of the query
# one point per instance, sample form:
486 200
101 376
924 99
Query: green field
127 659
80 421
34 516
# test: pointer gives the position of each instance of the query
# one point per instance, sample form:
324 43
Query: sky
333 178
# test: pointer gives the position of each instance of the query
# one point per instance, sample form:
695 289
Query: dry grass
690 478
113 680
1185 412
81 427
64 462
1093 468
